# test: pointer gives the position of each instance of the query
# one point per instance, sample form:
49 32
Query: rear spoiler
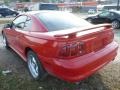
74 31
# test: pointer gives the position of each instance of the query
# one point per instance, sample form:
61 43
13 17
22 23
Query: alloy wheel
115 24
33 66
89 20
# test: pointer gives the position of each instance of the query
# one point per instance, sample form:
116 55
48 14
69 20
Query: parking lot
108 78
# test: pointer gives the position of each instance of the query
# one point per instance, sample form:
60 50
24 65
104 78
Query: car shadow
93 82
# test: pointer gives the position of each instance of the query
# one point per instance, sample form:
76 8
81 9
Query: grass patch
5 21
14 82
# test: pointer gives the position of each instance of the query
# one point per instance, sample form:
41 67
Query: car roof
4 8
115 11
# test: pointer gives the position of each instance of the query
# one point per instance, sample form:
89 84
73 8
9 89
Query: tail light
109 37
70 50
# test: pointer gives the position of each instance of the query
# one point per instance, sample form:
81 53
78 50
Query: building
46 1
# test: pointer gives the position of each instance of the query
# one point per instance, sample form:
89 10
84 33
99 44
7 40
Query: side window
104 14
7 10
2 10
19 22
114 15
28 24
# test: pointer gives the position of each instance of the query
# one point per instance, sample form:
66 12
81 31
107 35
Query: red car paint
71 55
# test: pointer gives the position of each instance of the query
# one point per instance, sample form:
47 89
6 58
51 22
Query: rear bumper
76 69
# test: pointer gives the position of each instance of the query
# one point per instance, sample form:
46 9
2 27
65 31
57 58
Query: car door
2 11
6 12
21 39
17 26
103 17
9 33
112 17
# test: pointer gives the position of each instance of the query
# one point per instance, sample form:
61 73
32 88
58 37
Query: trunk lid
78 42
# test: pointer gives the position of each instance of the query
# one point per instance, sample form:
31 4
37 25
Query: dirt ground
108 78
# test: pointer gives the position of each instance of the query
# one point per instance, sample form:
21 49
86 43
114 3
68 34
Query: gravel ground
108 78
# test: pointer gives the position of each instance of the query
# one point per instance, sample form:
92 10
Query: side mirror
8 25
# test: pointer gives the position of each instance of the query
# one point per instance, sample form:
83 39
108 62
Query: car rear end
78 49
80 54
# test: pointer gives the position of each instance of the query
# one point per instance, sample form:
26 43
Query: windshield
61 20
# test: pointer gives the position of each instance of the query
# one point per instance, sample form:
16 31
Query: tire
115 24
35 67
89 20
5 42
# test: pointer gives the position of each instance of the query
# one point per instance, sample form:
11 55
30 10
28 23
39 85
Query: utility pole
118 4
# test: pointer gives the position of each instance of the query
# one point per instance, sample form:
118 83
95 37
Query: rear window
61 20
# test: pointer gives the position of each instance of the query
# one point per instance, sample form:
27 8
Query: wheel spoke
115 24
33 66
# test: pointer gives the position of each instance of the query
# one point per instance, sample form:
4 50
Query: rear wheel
35 68
116 24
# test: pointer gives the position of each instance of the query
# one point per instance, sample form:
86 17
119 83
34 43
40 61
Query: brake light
109 37
74 49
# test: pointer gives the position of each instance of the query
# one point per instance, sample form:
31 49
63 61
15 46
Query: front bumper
74 70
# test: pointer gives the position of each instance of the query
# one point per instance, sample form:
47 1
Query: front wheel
89 20
35 68
115 24
5 42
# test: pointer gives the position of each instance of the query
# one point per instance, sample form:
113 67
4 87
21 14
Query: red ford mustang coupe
60 43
